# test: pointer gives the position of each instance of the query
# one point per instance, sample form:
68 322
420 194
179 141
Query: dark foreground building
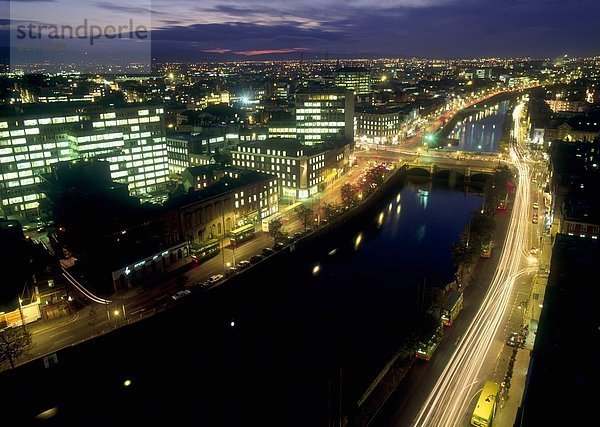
563 371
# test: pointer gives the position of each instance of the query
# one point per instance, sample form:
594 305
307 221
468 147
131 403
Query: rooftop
223 186
290 145
563 360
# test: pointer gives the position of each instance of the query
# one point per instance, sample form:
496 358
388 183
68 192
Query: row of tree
480 229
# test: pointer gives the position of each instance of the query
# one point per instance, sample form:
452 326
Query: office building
282 129
378 125
33 137
324 115
299 168
355 79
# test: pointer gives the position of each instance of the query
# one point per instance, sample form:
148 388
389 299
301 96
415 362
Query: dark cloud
466 28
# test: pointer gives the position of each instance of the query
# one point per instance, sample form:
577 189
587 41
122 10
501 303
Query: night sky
424 28
191 29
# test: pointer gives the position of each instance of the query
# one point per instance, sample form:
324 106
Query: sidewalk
506 414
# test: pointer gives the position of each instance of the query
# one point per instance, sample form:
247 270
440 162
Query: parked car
267 252
513 339
278 246
230 271
181 294
214 279
243 264
201 284
535 205
254 259
298 235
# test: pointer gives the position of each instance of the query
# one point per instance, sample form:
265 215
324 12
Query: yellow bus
486 405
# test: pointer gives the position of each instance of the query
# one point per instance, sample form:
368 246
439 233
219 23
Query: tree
330 211
14 343
305 215
497 186
276 230
349 194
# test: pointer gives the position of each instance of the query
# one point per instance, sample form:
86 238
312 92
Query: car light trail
447 403
83 290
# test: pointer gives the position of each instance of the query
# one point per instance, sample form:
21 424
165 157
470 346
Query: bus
242 234
486 249
204 250
451 307
284 215
486 405
425 350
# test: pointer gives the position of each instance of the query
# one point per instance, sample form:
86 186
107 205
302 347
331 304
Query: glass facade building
324 115
131 138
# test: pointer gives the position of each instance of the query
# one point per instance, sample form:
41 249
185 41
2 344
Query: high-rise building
33 137
356 79
324 115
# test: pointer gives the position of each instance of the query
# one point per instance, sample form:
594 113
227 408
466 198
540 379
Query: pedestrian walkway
506 414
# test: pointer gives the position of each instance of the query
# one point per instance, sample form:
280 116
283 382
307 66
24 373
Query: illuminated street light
316 269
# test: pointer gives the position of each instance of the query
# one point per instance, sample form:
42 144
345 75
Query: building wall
358 81
132 139
378 128
178 155
578 228
324 116
214 218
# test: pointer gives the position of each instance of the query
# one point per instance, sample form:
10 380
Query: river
271 347
482 130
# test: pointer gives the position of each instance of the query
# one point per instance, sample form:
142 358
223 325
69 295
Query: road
448 402
98 319
138 304
477 347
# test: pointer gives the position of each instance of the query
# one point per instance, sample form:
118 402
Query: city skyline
436 29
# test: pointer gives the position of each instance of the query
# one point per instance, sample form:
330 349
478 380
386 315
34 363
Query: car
278 246
214 279
255 259
290 239
201 284
230 271
267 252
181 294
534 251
298 235
41 229
243 264
535 220
535 205
513 339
